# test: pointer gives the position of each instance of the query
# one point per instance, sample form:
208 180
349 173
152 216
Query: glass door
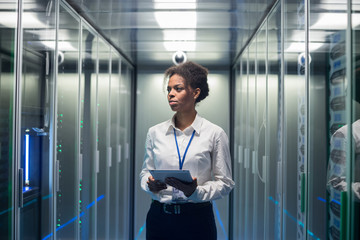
103 164
261 159
7 86
116 212
354 163
295 122
273 166
88 133
37 109
68 127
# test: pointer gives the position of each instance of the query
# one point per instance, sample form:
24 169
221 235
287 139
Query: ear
196 93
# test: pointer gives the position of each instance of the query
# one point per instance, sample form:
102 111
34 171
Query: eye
178 89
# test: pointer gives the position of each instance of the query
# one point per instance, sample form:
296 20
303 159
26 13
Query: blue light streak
90 205
74 218
67 223
335 201
27 140
295 220
141 230
219 219
48 236
5 211
100 197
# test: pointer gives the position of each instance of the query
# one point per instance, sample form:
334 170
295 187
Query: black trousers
187 222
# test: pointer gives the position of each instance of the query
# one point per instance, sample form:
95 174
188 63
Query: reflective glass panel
88 133
355 158
103 175
260 133
238 151
115 213
294 127
68 127
243 129
8 23
125 164
251 178
273 168
327 115
37 82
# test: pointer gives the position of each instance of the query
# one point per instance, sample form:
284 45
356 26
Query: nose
171 93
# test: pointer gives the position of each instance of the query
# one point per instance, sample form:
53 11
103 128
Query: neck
184 119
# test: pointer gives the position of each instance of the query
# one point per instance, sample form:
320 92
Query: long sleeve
222 182
148 164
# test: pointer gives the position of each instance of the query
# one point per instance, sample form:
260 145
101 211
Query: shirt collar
196 125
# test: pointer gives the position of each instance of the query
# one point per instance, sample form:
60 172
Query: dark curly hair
194 74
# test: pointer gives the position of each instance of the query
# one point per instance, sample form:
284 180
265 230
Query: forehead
176 80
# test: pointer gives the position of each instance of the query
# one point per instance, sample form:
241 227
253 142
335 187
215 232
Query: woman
182 210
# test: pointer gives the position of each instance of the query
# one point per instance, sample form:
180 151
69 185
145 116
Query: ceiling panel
148 32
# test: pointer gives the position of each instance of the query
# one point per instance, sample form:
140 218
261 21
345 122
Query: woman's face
181 97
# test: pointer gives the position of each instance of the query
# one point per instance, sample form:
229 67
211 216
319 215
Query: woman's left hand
186 188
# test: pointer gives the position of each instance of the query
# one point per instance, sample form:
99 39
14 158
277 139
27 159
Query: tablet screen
182 175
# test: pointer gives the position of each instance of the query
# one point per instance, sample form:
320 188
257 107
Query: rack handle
343 215
302 197
21 186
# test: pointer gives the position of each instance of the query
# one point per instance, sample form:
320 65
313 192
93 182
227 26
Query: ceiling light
335 21
176 19
180 46
179 35
29 20
180 4
298 47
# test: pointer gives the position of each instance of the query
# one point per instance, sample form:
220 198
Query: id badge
177 195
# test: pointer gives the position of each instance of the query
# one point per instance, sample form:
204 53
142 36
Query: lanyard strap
181 162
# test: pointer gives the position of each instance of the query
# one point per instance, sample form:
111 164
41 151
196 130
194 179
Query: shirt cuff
195 196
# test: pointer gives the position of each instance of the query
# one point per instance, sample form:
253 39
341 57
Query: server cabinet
115 145
88 121
260 144
294 139
68 127
103 164
125 142
35 123
7 88
274 124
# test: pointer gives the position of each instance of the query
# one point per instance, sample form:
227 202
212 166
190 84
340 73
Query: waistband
180 208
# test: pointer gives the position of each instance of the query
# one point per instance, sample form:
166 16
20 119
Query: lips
172 102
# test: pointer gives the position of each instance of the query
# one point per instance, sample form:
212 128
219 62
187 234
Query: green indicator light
60 120
81 126
79 221
80 184
59 170
82 121
58 225
60 150
60 145
79 201
61 115
59 195
58 220
80 189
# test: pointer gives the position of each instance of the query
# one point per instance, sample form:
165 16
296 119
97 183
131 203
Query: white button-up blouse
208 158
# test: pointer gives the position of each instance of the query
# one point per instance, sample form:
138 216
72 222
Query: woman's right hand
155 186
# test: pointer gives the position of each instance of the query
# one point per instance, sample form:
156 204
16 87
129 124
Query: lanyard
181 162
